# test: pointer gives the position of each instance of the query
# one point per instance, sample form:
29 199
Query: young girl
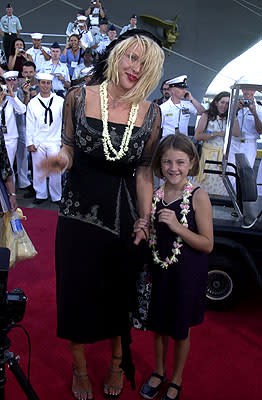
181 234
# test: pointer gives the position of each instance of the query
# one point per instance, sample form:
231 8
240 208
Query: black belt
10 34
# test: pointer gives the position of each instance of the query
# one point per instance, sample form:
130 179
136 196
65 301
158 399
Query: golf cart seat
247 189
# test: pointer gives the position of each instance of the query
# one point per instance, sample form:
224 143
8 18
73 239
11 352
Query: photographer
18 56
95 12
6 176
9 104
28 89
38 52
249 114
73 25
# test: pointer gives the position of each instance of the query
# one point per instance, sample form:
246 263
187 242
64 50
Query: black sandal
175 386
149 392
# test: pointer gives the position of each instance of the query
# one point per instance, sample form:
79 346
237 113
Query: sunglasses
11 79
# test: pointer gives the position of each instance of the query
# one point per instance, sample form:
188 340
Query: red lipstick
132 78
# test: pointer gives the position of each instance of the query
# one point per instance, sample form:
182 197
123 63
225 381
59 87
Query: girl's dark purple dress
178 293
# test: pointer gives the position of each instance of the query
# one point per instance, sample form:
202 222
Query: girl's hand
169 217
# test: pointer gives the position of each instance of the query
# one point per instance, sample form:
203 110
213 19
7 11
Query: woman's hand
141 230
54 164
169 217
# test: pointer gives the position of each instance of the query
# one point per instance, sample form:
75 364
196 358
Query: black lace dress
178 293
95 255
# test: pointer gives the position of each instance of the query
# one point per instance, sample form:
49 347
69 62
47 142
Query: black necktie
3 114
46 111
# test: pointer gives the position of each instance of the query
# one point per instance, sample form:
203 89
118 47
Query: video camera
12 304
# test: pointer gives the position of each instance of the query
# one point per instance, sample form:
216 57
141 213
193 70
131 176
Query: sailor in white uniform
249 116
9 105
38 52
177 110
43 136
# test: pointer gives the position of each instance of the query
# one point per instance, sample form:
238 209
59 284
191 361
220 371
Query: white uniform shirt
38 56
13 105
59 68
247 123
37 131
176 116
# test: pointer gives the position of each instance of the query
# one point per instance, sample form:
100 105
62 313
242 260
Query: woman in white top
211 130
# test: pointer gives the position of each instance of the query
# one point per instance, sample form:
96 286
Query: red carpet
225 362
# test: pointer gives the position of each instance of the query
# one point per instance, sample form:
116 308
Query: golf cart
237 255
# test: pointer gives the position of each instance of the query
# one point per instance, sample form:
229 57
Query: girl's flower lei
184 205
107 144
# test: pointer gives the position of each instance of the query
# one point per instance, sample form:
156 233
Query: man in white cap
9 105
59 70
43 136
177 110
38 52
73 25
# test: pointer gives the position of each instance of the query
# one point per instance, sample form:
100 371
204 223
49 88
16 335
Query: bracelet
145 233
11 194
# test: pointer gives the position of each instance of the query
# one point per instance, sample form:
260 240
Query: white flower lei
184 205
107 144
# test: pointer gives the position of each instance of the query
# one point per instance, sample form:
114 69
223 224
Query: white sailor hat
36 35
10 74
44 76
81 18
179 81
87 71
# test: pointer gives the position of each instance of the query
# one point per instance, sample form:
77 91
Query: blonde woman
111 132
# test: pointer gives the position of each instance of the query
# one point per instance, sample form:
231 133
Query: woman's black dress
178 293
95 255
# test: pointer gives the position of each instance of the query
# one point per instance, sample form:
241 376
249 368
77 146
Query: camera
247 103
12 304
12 308
27 79
4 88
21 51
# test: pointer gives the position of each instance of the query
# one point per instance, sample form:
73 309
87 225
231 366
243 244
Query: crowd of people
83 113
20 72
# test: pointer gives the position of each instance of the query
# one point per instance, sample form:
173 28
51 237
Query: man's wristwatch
11 194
